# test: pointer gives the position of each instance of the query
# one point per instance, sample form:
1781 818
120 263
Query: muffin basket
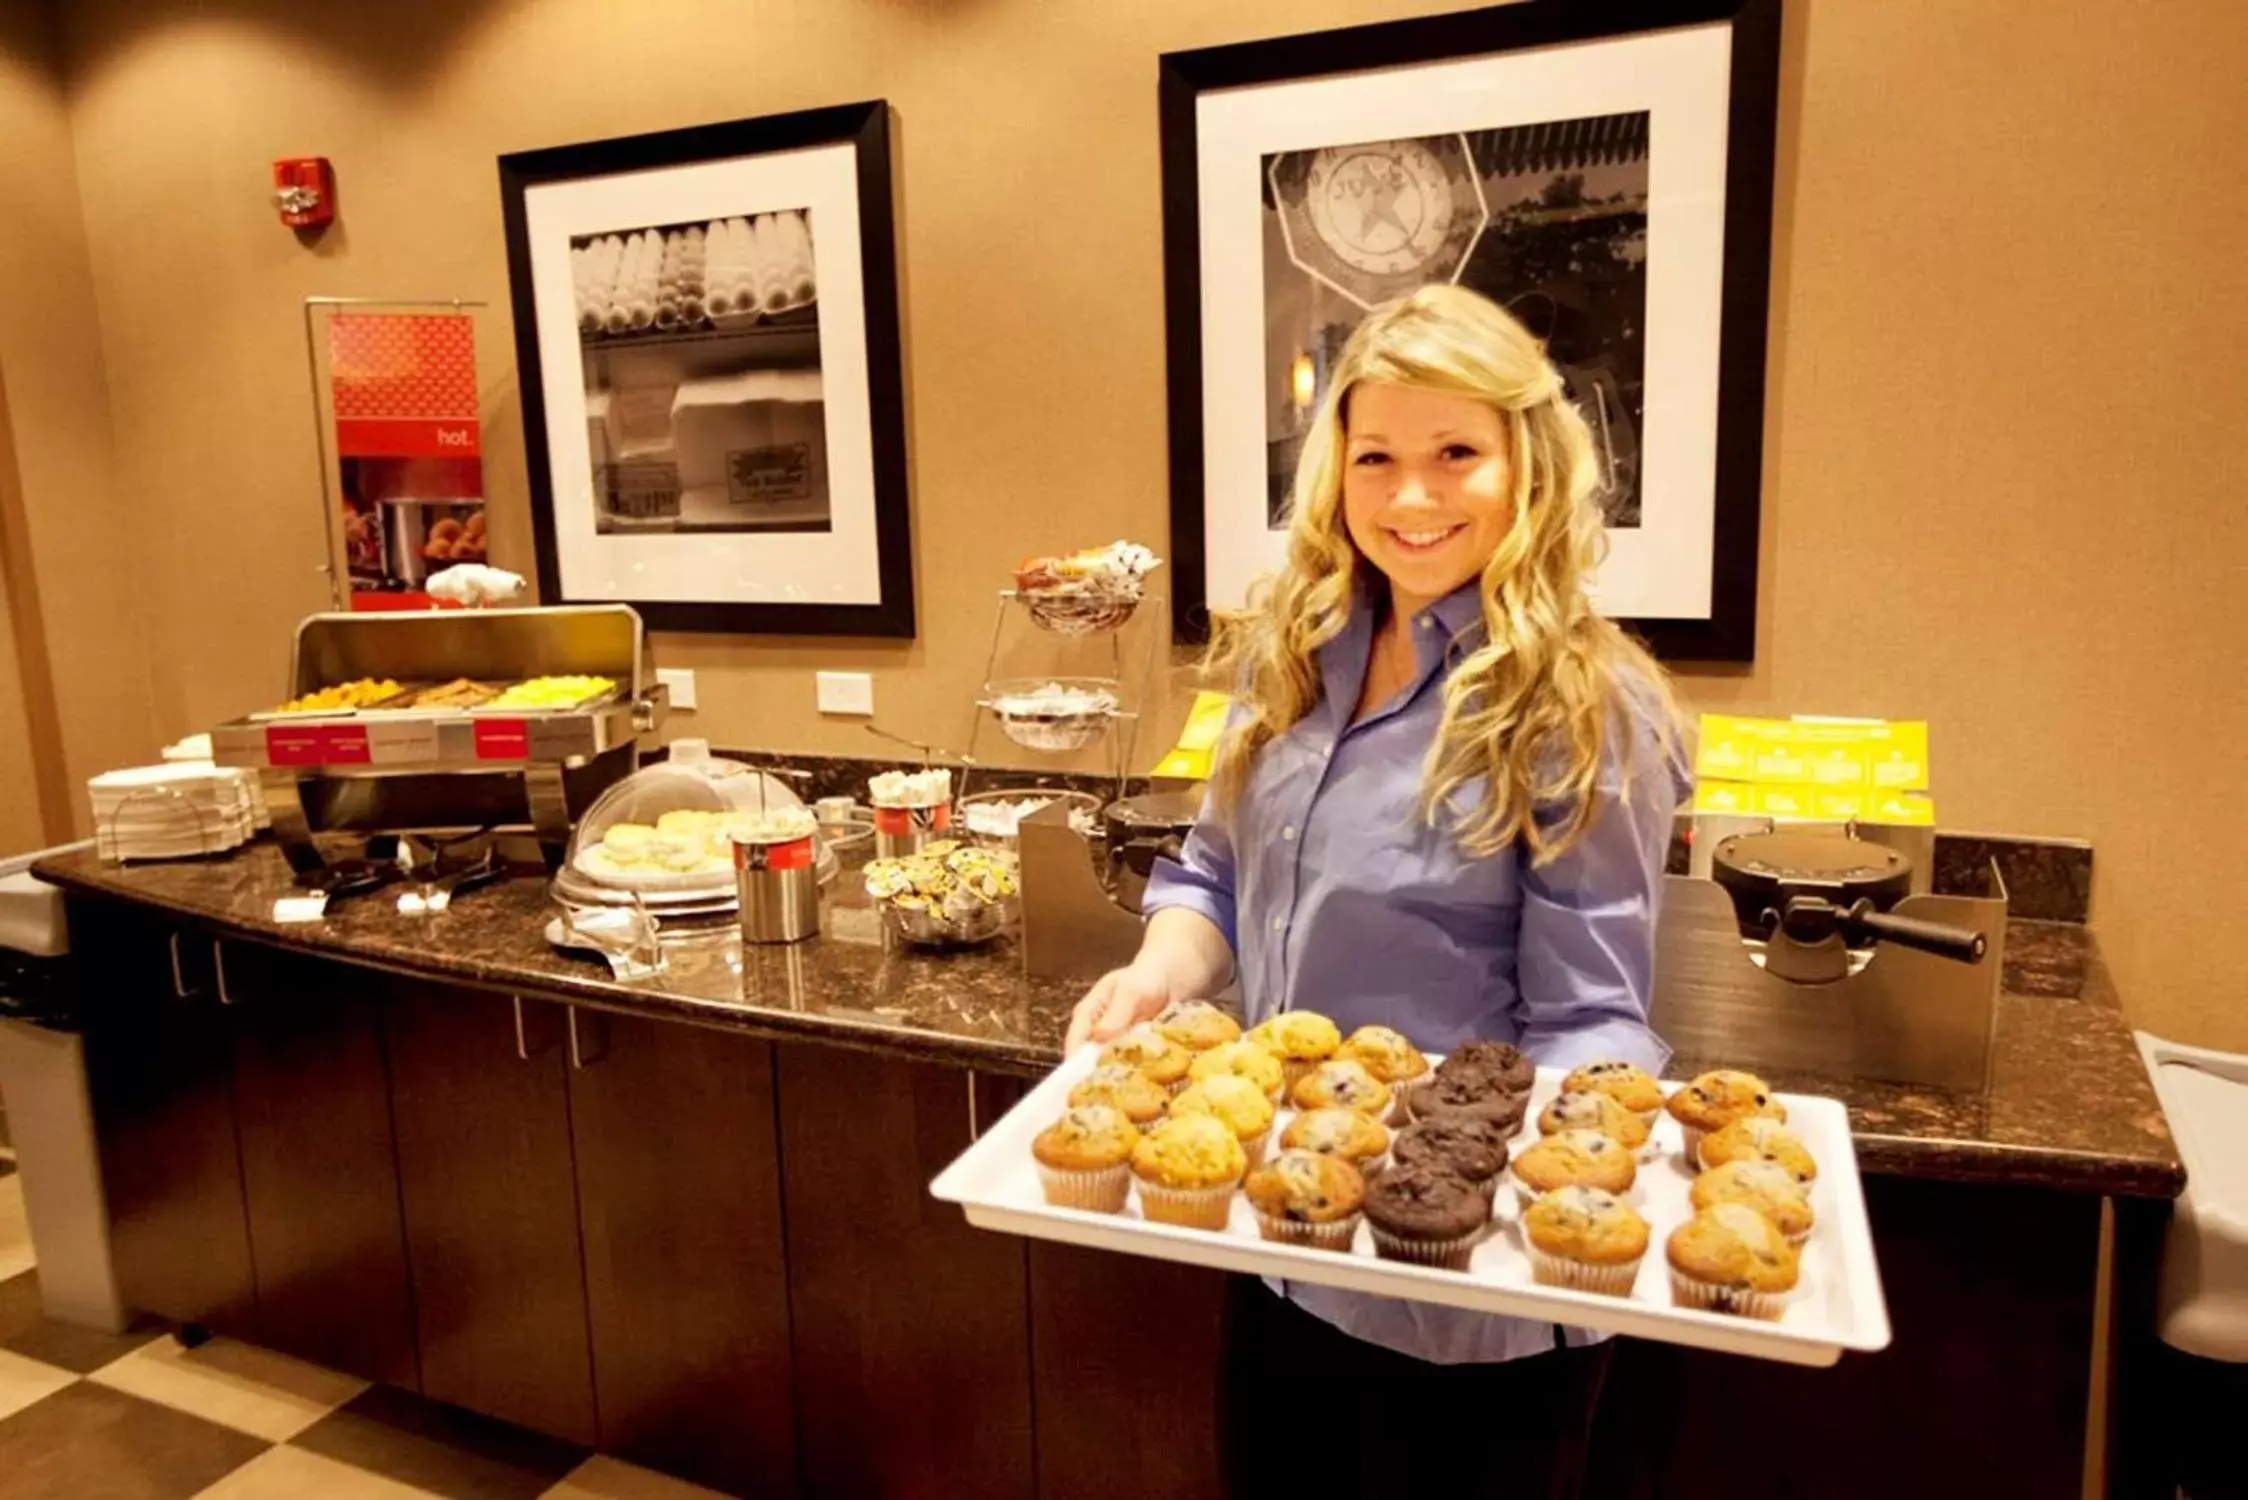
1836 1306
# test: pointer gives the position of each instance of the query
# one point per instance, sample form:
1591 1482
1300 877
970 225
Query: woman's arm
1187 952
1586 957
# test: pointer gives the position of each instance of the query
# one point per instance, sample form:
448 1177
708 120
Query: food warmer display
449 722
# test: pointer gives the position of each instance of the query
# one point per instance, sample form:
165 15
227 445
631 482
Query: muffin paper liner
1334 1235
1195 1208
1708 1296
1401 1098
1254 1148
1583 1275
1451 1254
1101 1191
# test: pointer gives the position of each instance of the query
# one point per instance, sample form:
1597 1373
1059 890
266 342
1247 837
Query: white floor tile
294 1474
252 1390
602 1478
23 1381
15 1229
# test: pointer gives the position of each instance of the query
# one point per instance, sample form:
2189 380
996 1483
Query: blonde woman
1443 805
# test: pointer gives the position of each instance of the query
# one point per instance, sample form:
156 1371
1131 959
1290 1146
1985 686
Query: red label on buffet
503 739
796 854
316 745
907 819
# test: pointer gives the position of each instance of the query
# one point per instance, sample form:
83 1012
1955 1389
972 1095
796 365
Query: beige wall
88 690
2007 315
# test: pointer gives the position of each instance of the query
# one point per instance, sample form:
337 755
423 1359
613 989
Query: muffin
1161 1059
1586 1110
1585 1238
1731 1259
1473 1096
1083 1156
1758 1139
1574 1158
1339 1083
1715 1100
1341 1133
1506 1064
1120 1084
1426 1215
1188 1167
1471 1148
1236 1103
1301 1039
1765 1186
1627 1083
1197 1025
1242 1059
1387 1055
1304 1198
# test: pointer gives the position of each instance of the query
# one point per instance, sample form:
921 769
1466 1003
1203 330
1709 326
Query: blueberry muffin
1242 1059
1573 1158
1082 1158
1468 1095
1472 1148
1142 1099
1715 1100
1731 1259
1585 1238
1304 1198
1342 1133
1387 1055
1161 1059
1188 1167
1503 1062
1765 1186
1586 1110
1426 1215
1197 1025
1301 1039
1627 1083
1340 1083
1236 1102
1758 1139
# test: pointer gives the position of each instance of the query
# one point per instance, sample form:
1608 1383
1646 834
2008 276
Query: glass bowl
1009 805
1053 713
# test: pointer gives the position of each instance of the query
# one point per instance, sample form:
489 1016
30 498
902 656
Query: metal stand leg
550 811
284 802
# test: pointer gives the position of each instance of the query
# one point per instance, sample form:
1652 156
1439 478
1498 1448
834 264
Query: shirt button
1288 832
1279 924
1428 622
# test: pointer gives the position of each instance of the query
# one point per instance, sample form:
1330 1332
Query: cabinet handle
218 969
522 1042
580 1059
180 990
975 1129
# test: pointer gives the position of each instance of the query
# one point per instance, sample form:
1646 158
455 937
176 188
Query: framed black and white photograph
1603 171
706 326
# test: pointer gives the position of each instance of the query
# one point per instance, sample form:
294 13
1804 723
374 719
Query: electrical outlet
846 693
681 681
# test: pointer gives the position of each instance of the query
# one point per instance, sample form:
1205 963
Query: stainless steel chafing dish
450 769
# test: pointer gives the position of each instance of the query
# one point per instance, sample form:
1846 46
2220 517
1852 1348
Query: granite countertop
2069 1104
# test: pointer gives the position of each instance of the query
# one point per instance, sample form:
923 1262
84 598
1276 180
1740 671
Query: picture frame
1602 169
706 331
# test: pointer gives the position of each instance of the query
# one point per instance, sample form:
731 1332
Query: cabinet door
912 1350
686 1281
159 1066
490 1202
312 1100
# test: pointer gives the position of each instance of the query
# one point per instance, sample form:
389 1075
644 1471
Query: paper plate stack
172 811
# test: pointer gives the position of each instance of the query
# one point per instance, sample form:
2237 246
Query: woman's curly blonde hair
1529 712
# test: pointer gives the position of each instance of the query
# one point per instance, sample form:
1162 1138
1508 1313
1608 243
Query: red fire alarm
304 189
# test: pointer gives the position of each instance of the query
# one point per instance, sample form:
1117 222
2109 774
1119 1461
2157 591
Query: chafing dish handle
1939 938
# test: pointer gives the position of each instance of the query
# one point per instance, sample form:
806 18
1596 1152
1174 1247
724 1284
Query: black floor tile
87 1441
440 1448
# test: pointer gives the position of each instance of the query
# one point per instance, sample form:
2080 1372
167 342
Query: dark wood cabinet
490 1199
319 1176
912 1349
679 1196
159 1065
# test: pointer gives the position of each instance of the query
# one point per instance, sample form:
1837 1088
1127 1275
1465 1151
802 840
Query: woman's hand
1118 1001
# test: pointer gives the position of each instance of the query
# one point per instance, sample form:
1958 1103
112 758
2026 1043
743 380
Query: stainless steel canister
779 885
899 831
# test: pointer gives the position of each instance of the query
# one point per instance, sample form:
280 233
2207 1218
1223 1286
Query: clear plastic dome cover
670 825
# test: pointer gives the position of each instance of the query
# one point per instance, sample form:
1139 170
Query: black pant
1305 1409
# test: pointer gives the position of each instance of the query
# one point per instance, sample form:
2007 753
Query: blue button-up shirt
1337 896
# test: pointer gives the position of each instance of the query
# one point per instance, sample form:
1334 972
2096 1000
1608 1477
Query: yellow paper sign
1828 770
1189 759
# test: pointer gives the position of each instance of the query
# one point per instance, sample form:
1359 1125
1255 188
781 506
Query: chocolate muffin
1472 1148
1475 1096
1426 1215
1502 1062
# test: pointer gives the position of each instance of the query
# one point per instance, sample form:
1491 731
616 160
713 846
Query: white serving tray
1837 1304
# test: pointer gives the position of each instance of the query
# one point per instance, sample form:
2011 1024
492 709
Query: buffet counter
2069 1104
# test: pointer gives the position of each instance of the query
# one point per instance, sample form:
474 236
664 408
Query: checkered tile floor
93 1416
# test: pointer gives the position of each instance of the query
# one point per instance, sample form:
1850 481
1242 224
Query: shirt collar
1343 659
